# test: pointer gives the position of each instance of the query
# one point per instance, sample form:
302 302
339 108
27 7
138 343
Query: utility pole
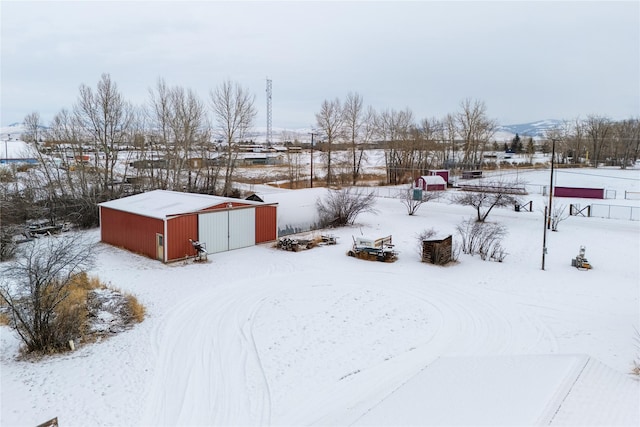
553 155
544 236
312 135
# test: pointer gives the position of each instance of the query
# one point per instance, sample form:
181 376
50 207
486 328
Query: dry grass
635 364
135 310
5 320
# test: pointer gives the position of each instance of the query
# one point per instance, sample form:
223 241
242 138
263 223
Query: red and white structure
431 183
160 223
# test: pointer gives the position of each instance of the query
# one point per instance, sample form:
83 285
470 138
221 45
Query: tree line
103 145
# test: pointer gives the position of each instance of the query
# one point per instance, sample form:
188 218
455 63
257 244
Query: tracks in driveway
211 369
208 370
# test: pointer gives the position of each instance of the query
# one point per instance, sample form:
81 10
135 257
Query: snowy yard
259 336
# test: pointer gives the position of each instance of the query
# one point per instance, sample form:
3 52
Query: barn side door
159 247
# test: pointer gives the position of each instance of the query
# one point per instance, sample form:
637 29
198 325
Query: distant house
160 224
472 174
431 183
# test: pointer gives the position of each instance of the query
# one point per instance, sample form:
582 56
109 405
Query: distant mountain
533 129
14 130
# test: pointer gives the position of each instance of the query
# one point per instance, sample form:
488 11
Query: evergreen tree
515 143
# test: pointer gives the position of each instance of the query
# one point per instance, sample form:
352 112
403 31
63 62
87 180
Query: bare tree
396 128
33 128
482 238
434 149
330 121
37 283
558 215
413 199
160 112
449 132
355 120
341 207
489 194
598 130
626 141
106 117
475 129
234 114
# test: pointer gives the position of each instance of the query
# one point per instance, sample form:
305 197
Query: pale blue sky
526 60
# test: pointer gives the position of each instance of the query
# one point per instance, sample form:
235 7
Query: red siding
266 223
134 232
179 230
584 193
443 173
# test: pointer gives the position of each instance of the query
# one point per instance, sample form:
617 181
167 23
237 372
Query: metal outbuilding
431 183
160 223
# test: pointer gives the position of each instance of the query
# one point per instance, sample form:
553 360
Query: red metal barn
160 223
444 173
431 183
584 193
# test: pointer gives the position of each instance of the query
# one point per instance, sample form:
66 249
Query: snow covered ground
260 336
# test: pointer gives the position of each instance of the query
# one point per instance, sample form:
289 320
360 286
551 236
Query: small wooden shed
160 223
431 183
437 251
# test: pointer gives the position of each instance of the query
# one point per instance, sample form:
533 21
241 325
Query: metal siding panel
266 224
213 230
585 193
242 228
133 232
179 231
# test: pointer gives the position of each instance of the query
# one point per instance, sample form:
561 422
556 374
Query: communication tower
269 122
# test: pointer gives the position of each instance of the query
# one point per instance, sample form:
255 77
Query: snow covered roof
433 179
163 203
541 390
16 149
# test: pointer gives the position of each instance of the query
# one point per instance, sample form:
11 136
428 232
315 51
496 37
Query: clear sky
526 60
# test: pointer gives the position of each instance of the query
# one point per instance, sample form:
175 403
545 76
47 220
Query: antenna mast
269 120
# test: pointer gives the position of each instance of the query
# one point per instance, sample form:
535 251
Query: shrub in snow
48 295
341 207
482 238
487 195
411 201
635 368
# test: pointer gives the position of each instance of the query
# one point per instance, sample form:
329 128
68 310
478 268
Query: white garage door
223 231
213 230
242 228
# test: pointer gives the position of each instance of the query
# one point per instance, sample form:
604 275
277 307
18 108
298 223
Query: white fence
632 195
615 212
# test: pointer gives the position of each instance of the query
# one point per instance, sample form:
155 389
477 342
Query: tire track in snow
198 377
462 322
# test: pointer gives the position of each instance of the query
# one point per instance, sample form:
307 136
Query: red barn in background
444 173
431 183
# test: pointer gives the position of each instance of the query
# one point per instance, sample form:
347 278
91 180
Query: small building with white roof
431 183
161 224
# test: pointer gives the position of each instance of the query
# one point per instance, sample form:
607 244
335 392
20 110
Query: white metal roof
163 203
